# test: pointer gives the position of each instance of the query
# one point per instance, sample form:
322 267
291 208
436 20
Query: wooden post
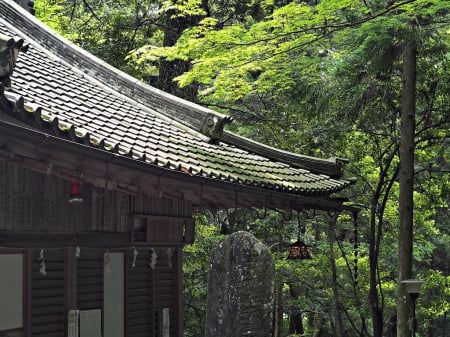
178 305
70 281
406 183
27 263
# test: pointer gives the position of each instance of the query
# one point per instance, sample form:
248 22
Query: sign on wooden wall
164 229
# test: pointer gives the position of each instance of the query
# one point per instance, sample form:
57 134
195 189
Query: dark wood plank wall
47 295
164 288
34 202
90 279
161 206
31 201
164 278
140 295
110 211
148 290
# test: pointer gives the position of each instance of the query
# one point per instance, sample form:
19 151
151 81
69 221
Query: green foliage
182 8
434 301
108 29
195 271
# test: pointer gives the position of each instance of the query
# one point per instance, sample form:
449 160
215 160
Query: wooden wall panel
149 291
140 295
161 206
47 294
32 201
90 279
164 278
110 210
164 288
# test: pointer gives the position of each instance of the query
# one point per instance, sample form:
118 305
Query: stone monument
240 288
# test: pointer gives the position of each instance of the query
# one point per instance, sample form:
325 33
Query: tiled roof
54 96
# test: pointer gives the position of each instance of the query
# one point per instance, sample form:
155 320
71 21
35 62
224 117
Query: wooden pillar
27 271
178 291
70 281
126 271
406 185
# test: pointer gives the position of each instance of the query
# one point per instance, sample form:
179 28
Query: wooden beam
57 240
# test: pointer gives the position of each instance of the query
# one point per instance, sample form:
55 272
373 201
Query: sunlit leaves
182 8
436 294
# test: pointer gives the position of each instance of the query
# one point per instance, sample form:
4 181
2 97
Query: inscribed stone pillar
240 288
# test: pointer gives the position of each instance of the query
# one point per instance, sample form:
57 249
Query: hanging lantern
299 251
75 192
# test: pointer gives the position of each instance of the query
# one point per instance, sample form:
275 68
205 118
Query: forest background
321 78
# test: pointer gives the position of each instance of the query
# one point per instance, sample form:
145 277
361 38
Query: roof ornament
213 127
9 52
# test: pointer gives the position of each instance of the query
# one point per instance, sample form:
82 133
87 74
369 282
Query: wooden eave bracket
64 239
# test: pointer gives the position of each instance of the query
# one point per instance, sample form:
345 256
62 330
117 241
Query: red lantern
75 192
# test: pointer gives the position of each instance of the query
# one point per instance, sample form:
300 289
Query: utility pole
406 182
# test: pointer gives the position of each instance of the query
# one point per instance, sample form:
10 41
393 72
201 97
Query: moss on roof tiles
108 119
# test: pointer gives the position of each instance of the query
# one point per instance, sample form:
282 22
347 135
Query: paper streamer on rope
153 258
135 254
77 252
42 267
107 263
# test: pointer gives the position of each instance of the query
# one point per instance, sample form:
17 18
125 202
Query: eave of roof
302 182
76 161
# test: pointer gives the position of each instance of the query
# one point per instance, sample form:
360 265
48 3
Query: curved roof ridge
195 116
331 166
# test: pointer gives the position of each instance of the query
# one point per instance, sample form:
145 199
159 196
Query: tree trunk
406 182
295 315
318 322
340 331
374 301
174 26
278 317
295 322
